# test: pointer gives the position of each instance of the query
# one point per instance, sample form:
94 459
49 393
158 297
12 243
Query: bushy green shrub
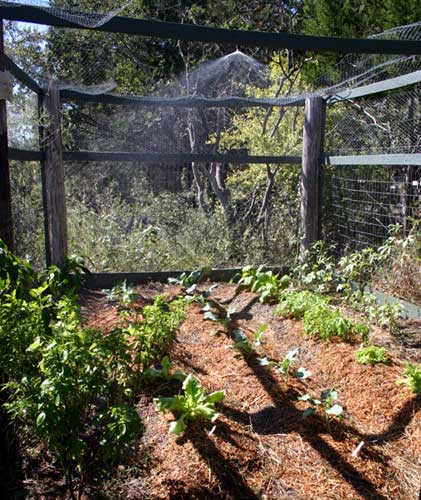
326 323
294 303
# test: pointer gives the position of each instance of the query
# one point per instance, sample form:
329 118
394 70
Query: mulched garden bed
261 447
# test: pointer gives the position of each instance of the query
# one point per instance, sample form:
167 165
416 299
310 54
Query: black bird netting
203 161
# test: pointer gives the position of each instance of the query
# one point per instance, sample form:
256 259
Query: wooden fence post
311 172
53 178
6 221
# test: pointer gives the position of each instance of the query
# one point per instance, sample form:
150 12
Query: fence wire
362 202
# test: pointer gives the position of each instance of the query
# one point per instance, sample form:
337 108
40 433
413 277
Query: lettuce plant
412 378
193 404
371 355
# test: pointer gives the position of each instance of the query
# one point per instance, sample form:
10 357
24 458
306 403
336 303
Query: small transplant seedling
122 293
285 365
193 404
258 336
164 371
412 378
371 355
328 402
242 343
191 280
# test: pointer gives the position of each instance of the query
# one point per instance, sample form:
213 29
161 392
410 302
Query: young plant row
319 319
68 385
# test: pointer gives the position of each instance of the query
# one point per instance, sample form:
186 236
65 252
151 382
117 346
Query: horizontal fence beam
179 102
108 280
376 88
188 32
24 155
21 75
176 157
381 159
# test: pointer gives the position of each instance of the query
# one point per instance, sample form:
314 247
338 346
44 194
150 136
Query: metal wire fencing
362 202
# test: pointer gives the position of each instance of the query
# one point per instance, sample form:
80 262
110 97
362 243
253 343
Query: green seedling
241 342
189 281
193 404
122 293
163 371
328 402
412 378
284 366
371 355
259 335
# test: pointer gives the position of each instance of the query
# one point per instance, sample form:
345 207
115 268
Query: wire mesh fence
362 202
27 209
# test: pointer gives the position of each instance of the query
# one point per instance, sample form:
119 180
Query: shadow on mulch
283 417
231 482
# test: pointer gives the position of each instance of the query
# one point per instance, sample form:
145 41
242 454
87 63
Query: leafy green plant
285 365
265 283
189 281
327 323
412 378
241 342
294 304
163 371
371 355
224 320
258 335
328 402
317 271
122 293
193 404
150 337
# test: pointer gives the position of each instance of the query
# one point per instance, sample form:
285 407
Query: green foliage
193 404
358 268
150 337
258 335
412 378
70 386
317 271
265 283
122 293
285 365
163 371
327 402
385 315
242 343
326 323
372 355
294 304
189 281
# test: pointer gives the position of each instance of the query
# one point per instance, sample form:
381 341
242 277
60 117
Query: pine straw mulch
261 447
